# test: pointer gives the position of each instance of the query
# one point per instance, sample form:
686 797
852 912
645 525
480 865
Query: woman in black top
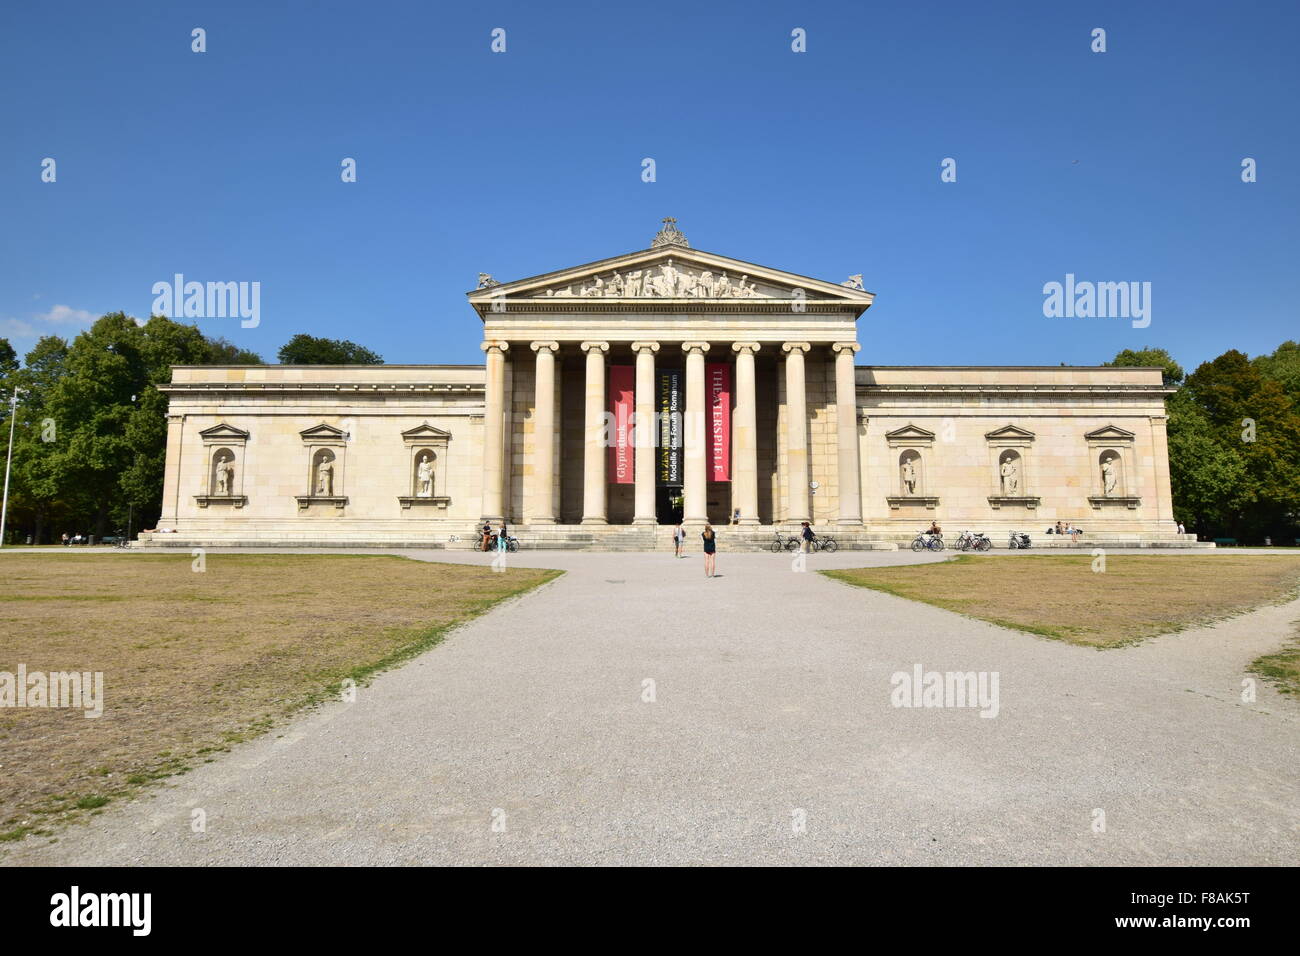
710 549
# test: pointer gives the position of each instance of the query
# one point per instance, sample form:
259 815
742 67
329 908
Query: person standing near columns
594 493
796 432
846 425
644 467
695 480
494 430
745 440
541 495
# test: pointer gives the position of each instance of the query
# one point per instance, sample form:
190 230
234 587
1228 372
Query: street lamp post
9 460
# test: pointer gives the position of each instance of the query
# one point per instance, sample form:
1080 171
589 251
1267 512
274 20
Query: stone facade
422 454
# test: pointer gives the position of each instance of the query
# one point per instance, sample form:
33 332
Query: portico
678 311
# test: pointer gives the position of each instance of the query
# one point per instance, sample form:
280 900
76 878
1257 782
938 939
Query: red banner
717 390
622 405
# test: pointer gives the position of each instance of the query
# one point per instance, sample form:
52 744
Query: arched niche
1011 473
911 473
324 473
424 473
221 473
1110 470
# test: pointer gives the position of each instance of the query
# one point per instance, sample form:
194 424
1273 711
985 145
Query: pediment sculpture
666 282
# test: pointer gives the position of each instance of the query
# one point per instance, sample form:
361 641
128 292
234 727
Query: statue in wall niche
225 475
325 478
1010 477
1108 476
909 476
424 478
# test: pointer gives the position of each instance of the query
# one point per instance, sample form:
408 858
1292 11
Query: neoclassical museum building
618 396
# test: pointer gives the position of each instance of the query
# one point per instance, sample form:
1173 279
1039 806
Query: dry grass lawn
1061 597
195 662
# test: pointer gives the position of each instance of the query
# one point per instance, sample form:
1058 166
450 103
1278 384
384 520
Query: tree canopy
90 432
309 350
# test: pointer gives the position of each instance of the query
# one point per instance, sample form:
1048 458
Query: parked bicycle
927 542
825 543
788 543
1019 539
512 543
968 541
120 540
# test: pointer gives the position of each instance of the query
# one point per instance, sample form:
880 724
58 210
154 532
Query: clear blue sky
225 165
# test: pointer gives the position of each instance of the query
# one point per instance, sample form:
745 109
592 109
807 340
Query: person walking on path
807 535
679 540
710 549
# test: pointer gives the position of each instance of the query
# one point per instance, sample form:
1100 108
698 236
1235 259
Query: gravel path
771 738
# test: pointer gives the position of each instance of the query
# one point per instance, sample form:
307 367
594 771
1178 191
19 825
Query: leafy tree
223 352
91 432
308 350
1283 367
1170 371
1252 417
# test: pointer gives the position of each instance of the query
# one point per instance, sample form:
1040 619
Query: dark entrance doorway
665 511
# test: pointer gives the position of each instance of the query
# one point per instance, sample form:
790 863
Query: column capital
852 347
750 347
497 344
639 347
689 347
548 346
589 346
796 346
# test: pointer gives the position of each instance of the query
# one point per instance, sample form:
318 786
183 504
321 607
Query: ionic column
594 492
796 432
541 493
494 430
744 482
846 424
695 487
644 474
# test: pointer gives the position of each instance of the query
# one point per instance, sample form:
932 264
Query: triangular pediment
1109 433
223 432
670 273
1009 431
323 431
425 433
910 432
